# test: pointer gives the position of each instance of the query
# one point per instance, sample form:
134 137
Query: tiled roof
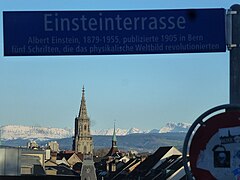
149 162
171 165
163 168
113 151
67 155
119 173
64 155
63 170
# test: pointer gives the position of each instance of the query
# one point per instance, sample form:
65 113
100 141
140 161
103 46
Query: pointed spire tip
83 90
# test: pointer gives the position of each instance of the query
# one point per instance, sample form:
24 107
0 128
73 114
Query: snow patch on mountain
175 127
154 131
134 131
119 132
27 132
10 132
109 132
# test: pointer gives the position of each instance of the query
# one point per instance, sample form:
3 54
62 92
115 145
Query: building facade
82 140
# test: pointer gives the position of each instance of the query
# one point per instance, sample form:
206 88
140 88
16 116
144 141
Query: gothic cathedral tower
82 140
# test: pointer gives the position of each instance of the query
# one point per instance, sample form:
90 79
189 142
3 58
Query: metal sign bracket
228 27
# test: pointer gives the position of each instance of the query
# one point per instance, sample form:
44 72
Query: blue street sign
28 33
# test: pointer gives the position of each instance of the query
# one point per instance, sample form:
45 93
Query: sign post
235 57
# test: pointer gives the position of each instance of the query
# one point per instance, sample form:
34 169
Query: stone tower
82 140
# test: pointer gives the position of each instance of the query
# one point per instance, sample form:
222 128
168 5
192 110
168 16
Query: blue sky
143 91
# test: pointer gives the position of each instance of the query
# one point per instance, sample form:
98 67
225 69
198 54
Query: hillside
11 132
139 142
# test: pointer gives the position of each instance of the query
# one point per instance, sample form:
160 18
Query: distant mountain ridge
175 127
10 132
169 127
140 142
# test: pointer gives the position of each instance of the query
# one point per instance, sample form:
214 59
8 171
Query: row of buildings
80 163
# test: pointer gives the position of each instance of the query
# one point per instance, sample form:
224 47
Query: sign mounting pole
235 56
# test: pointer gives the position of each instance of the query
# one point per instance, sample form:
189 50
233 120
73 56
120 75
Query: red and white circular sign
215 148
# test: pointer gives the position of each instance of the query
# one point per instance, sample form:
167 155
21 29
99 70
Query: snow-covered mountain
31 132
155 131
169 127
175 127
119 132
136 130
43 133
105 132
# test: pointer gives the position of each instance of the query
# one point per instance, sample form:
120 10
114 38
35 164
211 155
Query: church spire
83 107
114 149
114 138
82 142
